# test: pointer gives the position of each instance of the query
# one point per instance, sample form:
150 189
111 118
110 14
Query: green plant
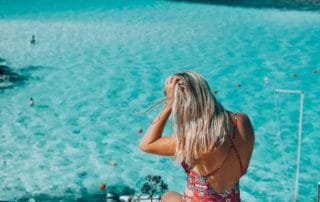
154 185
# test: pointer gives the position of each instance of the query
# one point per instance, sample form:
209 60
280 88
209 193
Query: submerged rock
8 77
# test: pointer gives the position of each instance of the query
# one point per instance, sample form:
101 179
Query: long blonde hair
198 119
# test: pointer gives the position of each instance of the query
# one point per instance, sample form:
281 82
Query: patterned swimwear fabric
202 191
201 188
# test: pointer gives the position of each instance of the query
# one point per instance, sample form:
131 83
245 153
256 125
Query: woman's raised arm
153 142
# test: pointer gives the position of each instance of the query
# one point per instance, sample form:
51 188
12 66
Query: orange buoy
103 187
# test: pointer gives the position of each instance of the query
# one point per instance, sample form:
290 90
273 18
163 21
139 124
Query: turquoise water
95 65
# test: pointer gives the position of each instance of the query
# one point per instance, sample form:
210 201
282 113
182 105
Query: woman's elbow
143 147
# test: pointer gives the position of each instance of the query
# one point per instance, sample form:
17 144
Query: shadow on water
10 77
307 5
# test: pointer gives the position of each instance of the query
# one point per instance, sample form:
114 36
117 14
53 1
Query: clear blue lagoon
97 64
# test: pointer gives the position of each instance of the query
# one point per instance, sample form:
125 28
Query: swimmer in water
31 102
33 40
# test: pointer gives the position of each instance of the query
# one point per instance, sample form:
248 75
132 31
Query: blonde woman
213 145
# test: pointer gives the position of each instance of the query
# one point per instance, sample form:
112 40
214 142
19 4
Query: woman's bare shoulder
245 127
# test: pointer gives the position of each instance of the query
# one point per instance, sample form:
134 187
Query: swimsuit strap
235 119
187 167
233 145
216 170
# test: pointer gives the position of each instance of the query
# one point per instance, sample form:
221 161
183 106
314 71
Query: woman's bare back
224 166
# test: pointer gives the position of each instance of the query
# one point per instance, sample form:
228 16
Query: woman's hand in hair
169 89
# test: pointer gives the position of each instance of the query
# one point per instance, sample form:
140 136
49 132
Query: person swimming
33 40
31 102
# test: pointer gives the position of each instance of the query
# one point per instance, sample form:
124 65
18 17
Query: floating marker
102 187
140 131
112 163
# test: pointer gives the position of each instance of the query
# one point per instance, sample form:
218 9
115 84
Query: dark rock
8 77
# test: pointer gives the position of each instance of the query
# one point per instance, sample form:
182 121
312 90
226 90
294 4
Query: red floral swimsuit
200 187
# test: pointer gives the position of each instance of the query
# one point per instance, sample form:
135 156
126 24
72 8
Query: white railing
296 188
318 191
